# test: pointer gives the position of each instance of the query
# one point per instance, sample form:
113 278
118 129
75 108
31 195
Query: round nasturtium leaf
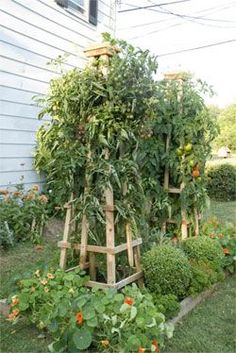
82 338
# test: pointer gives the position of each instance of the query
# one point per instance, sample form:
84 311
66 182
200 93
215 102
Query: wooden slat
75 267
129 244
123 247
84 241
100 249
129 279
92 266
66 234
100 285
174 190
196 222
166 175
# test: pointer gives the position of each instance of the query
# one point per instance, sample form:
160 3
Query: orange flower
105 343
50 276
79 318
43 198
12 316
37 273
15 300
35 188
129 301
141 350
155 344
17 193
29 197
226 251
4 192
44 282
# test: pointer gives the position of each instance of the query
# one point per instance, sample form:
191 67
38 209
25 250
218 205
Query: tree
227 124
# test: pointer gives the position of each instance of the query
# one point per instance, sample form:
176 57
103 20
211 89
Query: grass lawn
224 211
210 327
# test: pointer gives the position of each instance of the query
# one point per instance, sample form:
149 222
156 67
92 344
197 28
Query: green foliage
22 215
167 304
206 259
203 248
129 115
78 318
167 271
203 276
221 182
227 124
93 116
226 235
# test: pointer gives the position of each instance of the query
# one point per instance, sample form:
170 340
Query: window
77 5
87 9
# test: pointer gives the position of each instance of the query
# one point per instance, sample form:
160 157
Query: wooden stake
196 222
92 266
137 261
84 242
66 233
110 233
129 244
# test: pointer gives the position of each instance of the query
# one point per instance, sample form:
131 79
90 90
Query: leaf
82 338
133 343
169 328
124 307
133 313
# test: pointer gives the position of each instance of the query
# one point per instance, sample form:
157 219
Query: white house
32 32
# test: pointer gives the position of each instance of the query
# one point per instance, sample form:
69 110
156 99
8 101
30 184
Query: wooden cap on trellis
101 49
174 76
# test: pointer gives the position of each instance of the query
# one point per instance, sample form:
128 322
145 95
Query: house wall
32 32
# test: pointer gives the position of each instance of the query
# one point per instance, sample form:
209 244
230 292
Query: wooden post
92 266
196 222
166 176
66 233
110 232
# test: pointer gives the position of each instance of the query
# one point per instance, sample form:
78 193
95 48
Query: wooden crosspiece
173 190
88 252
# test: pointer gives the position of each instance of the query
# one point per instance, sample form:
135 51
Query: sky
167 29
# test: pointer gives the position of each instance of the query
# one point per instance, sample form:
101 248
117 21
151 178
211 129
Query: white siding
32 32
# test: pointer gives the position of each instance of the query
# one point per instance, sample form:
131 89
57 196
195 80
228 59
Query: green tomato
179 151
188 147
191 163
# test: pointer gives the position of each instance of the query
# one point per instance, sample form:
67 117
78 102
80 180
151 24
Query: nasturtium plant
78 318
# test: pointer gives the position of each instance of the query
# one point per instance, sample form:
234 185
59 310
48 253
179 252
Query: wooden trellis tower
88 252
173 190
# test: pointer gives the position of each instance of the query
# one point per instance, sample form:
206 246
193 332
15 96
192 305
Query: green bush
167 304
22 215
206 260
167 271
204 249
221 183
203 276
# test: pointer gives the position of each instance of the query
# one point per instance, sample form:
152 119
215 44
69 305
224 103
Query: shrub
167 304
221 184
204 249
22 215
226 235
205 256
78 318
203 276
167 271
